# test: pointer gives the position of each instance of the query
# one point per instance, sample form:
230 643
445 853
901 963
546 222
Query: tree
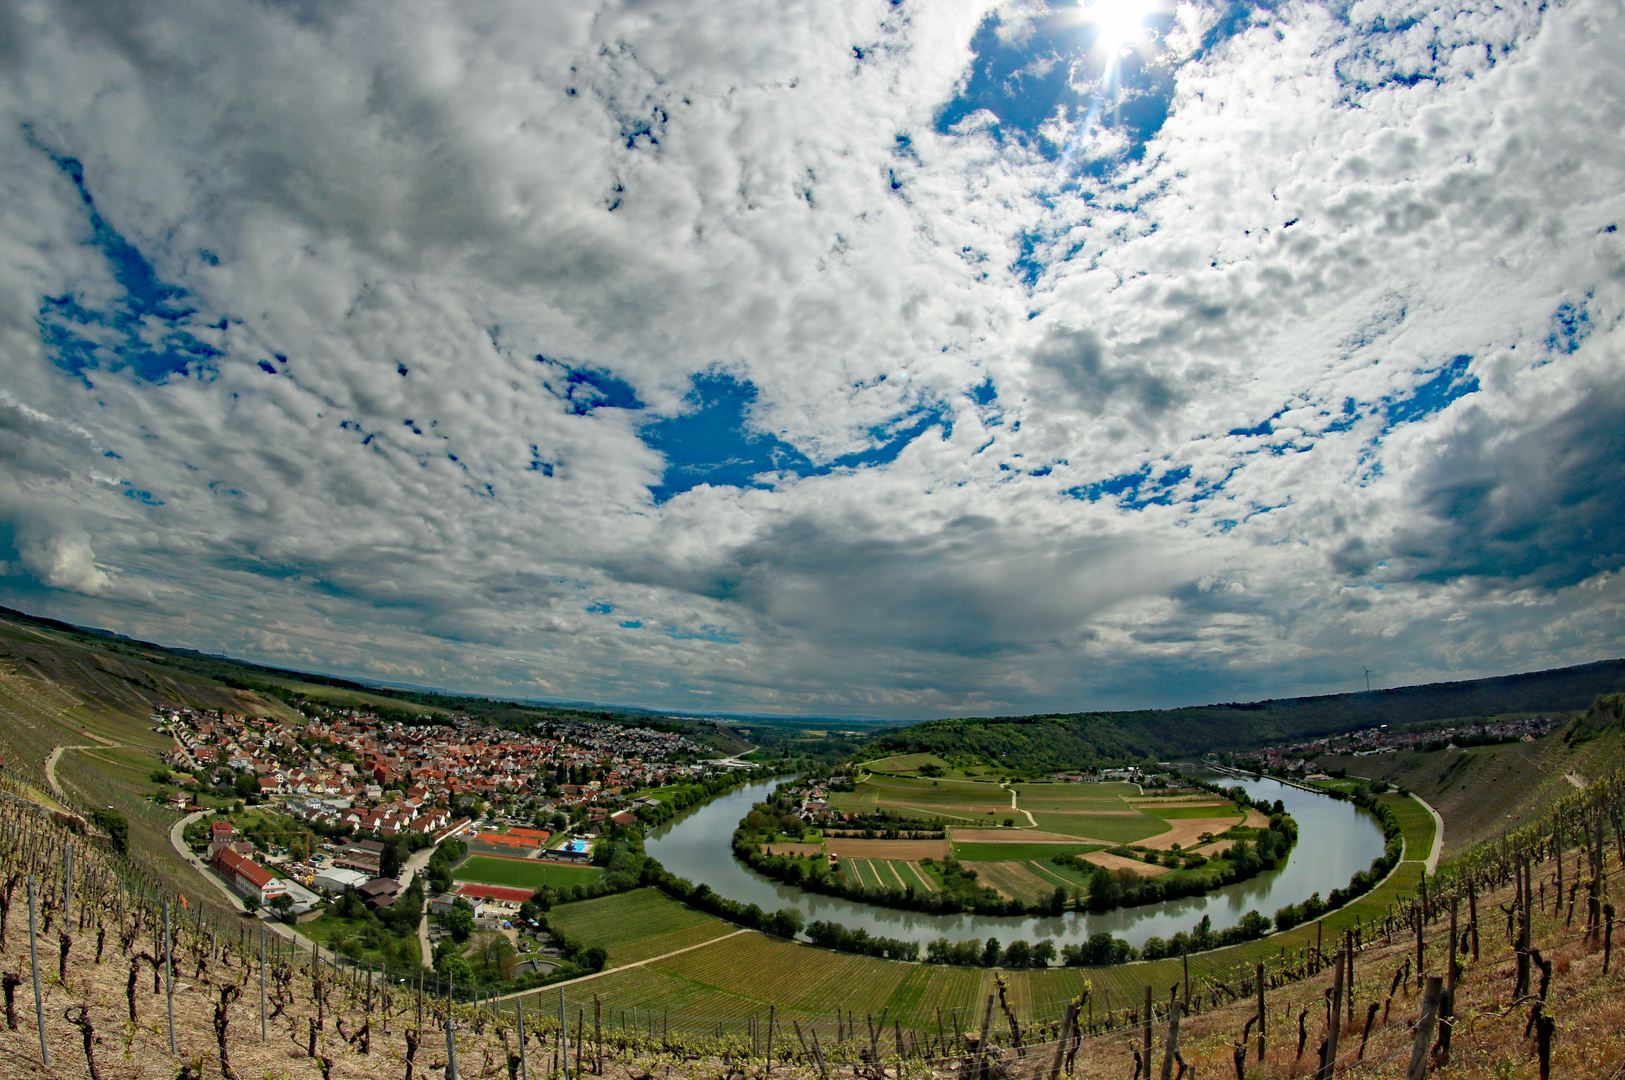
1018 954
282 904
391 860
112 823
991 953
1044 953
459 921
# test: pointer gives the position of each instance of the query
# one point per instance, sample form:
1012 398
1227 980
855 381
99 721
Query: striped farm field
1015 879
636 925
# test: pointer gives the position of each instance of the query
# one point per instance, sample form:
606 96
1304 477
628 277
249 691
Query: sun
1119 24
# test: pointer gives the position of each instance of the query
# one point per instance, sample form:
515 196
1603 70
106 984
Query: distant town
1300 757
357 780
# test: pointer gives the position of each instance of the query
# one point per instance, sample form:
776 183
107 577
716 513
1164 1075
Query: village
1299 757
356 783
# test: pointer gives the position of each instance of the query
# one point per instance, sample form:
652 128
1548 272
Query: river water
1335 841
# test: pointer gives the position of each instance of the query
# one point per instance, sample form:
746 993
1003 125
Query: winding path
1432 861
56 756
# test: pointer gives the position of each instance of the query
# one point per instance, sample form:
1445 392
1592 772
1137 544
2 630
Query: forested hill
1058 741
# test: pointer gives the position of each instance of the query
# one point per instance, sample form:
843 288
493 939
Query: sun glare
1119 24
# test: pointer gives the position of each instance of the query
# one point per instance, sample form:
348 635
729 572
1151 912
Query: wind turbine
1367 678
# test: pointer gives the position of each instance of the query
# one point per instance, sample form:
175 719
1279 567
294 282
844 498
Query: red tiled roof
247 869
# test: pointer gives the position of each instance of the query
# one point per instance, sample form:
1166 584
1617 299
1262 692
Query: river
1335 841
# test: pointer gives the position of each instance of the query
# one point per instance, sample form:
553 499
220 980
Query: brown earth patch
904 850
1119 862
798 850
1185 831
1255 819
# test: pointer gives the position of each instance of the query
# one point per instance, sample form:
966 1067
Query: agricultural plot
636 925
529 874
1115 827
953 800
1013 879
1184 812
1017 851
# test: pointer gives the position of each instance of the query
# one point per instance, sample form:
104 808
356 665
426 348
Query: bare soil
906 850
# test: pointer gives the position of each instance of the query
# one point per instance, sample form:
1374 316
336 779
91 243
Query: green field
952 800
994 851
1416 821
736 977
529 874
636 925
1114 829
1175 812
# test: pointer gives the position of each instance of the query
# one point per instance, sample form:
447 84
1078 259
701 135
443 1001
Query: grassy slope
57 690
1484 790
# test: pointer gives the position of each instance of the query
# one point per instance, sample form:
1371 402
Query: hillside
106 998
1054 741
1483 791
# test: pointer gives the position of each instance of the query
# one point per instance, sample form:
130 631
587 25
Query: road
1432 861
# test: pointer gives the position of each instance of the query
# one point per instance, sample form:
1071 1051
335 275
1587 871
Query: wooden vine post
1260 988
1424 1029
1170 1051
1146 1019
1330 1066
33 959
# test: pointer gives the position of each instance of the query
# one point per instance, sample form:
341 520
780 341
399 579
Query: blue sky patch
1136 490
632 624
1450 382
1028 78
714 444
602 607
145 331
586 389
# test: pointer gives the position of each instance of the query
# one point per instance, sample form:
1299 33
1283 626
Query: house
247 877
625 817
380 892
441 904
222 832
338 880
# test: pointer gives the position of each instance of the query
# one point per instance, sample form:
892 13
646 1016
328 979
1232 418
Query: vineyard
1501 961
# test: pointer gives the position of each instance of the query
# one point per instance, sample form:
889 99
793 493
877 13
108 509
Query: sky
880 358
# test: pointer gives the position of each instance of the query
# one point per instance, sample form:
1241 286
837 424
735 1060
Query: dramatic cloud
875 358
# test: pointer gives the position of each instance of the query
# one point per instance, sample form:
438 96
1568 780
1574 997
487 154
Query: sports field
529 874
